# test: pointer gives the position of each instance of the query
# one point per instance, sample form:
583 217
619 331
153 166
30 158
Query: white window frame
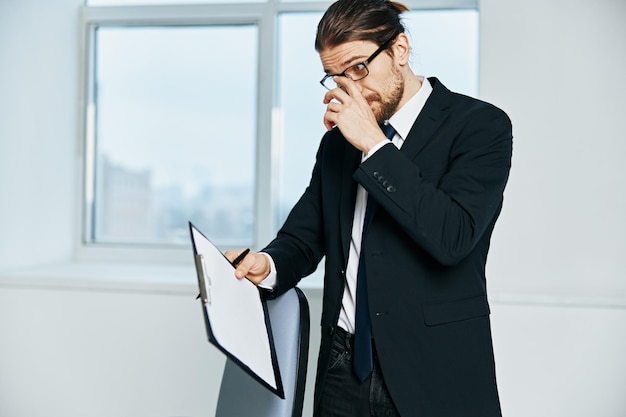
265 17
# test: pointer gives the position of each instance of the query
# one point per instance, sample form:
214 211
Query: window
174 134
211 113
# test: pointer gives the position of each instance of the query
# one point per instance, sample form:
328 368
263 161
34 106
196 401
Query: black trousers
344 395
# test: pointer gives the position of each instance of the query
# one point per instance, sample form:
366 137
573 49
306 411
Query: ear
401 49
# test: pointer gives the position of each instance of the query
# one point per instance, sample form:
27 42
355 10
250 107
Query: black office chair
241 396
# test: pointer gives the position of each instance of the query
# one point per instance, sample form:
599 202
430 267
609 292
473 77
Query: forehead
335 59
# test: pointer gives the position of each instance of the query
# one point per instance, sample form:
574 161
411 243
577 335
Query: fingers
330 116
231 255
336 95
346 107
255 266
335 99
349 87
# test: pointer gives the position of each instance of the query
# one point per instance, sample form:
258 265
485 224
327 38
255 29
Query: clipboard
235 314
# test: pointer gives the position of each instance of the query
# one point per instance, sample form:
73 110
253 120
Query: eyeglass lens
355 73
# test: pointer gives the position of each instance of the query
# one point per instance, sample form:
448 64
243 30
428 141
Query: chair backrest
241 396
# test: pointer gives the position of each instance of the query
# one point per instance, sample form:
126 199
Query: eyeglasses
355 72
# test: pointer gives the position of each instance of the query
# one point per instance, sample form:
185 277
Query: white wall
557 67
72 347
560 361
104 354
38 134
79 353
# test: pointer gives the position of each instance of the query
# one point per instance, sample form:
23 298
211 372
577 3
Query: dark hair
359 20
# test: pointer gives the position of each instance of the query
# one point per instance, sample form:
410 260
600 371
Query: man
409 219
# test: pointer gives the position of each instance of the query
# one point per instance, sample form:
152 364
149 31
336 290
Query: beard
389 104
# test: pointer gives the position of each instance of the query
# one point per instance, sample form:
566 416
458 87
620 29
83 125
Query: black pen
240 257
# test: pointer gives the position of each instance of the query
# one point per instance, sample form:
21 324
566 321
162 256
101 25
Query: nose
359 86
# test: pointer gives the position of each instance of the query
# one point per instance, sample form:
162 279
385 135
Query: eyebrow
348 62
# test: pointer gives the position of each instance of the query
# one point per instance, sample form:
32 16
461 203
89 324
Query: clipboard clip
202 274
204 280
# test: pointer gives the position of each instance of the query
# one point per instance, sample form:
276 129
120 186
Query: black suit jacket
425 251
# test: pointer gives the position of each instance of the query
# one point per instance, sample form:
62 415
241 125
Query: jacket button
391 189
376 174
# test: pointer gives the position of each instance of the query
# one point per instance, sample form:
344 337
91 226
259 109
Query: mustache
373 97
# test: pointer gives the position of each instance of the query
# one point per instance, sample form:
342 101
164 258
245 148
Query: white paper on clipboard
235 314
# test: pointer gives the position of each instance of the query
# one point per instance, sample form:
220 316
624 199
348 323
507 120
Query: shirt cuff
375 149
269 283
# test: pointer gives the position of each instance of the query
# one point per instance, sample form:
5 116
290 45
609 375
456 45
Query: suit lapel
429 120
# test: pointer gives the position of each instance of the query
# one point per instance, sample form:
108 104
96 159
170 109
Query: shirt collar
403 119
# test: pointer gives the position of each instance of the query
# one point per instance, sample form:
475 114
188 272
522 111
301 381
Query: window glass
300 105
444 44
175 134
162 2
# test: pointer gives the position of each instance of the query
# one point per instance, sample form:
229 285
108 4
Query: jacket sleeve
447 214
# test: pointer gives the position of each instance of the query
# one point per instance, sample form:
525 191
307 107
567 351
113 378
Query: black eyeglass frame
382 47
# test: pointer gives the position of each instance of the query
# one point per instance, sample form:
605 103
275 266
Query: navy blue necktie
363 361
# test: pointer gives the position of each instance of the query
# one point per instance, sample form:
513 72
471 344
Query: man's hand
255 266
351 113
